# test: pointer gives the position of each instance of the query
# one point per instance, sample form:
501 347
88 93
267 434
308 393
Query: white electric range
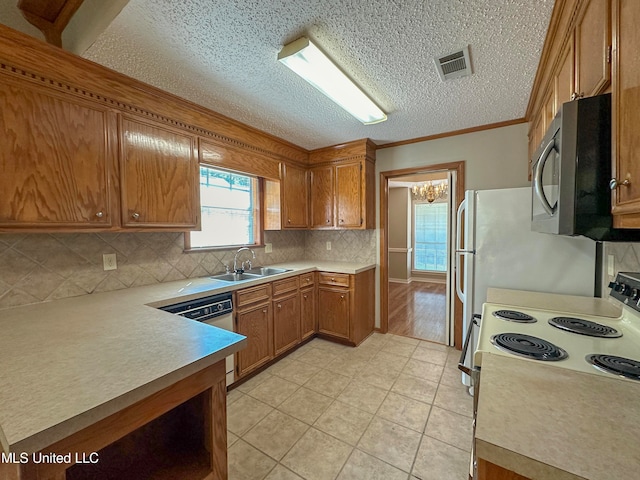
587 343
562 339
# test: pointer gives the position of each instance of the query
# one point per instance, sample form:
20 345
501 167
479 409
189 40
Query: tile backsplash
39 267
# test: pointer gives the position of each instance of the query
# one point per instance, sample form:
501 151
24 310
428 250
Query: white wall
495 158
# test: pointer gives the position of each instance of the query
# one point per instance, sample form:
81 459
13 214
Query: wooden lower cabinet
347 302
254 320
335 317
286 322
277 316
491 471
178 432
308 313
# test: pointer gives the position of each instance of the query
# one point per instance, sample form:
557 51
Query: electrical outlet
611 261
328 245
268 247
109 261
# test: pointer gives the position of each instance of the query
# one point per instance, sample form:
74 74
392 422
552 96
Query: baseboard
442 281
399 280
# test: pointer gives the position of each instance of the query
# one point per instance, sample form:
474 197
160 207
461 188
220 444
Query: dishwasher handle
461 366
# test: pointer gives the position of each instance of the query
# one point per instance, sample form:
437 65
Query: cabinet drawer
307 280
252 295
286 285
337 279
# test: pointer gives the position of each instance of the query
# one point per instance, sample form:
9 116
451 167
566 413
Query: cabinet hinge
609 54
361 221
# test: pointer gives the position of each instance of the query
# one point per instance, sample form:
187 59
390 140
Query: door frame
459 169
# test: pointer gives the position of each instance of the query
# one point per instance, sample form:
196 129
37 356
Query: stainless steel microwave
571 174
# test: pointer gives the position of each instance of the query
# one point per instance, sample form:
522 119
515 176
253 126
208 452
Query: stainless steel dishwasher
216 310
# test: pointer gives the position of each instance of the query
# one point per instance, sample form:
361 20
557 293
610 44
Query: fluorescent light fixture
304 58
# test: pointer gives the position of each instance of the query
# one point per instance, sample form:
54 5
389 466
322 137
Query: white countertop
68 363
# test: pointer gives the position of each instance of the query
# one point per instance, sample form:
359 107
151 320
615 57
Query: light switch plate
328 245
109 261
268 248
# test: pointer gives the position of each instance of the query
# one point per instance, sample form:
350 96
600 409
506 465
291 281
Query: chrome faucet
235 260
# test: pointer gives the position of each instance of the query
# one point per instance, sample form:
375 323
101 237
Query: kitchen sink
236 277
252 274
266 271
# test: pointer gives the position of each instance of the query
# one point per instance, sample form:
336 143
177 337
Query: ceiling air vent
454 65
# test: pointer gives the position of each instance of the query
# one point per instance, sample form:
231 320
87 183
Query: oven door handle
461 366
537 177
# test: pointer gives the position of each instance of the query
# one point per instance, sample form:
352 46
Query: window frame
258 211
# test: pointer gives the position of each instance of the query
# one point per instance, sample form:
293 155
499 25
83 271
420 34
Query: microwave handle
537 177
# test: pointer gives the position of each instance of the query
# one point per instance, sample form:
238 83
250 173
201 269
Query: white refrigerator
497 248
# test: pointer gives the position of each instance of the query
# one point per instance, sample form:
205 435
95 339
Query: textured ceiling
222 54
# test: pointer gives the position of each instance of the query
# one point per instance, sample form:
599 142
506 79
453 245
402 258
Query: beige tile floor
392 408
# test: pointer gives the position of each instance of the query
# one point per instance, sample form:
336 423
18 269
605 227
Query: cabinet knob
328 221
99 214
615 183
264 311
333 279
341 220
342 297
288 220
135 215
279 306
304 296
308 280
576 95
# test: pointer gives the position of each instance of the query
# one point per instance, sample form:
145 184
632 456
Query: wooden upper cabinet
564 79
295 197
322 197
593 43
626 113
56 158
576 61
349 197
159 175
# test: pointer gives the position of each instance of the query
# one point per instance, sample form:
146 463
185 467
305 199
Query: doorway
416 265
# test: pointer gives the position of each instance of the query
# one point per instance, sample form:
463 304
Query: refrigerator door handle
460 250
459 292
461 209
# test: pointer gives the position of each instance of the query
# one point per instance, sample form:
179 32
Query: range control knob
625 289
635 294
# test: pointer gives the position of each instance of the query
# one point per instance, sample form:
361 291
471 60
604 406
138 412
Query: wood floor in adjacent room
418 310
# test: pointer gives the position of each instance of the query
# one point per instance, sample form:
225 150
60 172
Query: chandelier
430 191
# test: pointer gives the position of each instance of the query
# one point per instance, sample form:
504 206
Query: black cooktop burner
514 316
584 327
624 367
528 346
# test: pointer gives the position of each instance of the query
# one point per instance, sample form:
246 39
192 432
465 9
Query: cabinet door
56 159
334 317
308 313
593 40
322 189
564 81
255 324
349 195
159 173
286 323
295 197
626 113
